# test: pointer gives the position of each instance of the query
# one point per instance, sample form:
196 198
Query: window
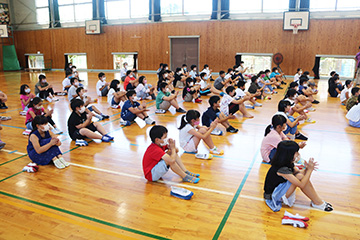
343 65
42 11
185 7
275 5
256 62
35 61
121 58
322 5
78 59
129 9
75 10
246 6
348 5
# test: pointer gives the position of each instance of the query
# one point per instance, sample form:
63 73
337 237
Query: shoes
115 106
31 168
309 120
327 207
149 121
59 164
294 222
315 102
110 137
181 193
216 151
267 98
160 111
55 99
296 216
301 136
65 163
3 106
49 99
205 156
257 104
280 87
106 138
249 106
2 144
125 123
23 113
282 82
180 110
27 132
231 129
3 118
81 143
216 132
275 92
191 179
105 116
198 100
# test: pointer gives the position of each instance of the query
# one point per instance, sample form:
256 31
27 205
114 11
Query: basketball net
295 29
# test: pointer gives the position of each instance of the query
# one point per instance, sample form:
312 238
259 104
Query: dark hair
161 64
254 78
229 89
213 100
100 75
41 77
22 89
347 82
164 65
157 131
298 69
302 81
293 85
141 79
162 85
267 71
128 72
336 76
277 120
76 103
332 73
34 101
130 93
73 66
354 90
284 155
306 73
240 84
68 72
221 72
78 90
274 69
38 120
72 80
291 92
230 70
190 115
260 73
282 105
114 84
192 67
178 69
205 66
184 65
202 74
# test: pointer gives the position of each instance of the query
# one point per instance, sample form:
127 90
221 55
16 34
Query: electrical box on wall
93 27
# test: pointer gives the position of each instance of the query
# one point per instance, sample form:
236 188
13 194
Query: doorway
184 50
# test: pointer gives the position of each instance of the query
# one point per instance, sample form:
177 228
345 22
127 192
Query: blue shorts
275 203
113 102
159 170
129 116
354 124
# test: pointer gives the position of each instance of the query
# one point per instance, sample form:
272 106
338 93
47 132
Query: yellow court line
68 220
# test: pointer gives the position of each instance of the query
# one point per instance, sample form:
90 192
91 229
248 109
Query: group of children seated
228 96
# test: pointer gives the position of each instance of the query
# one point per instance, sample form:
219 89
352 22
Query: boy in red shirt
162 155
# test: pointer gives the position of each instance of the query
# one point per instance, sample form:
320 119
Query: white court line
212 190
8 151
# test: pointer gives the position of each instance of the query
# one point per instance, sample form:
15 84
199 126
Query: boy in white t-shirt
229 105
240 93
102 87
123 71
204 86
345 93
66 82
207 71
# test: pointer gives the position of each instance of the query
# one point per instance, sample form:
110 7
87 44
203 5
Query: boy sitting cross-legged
162 155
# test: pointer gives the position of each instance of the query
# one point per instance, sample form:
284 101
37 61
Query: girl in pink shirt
25 97
273 136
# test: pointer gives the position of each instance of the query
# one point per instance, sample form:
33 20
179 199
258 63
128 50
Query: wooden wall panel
219 42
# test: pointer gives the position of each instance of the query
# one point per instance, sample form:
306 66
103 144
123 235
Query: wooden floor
103 194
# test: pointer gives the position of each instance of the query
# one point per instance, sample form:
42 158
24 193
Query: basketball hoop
92 31
295 29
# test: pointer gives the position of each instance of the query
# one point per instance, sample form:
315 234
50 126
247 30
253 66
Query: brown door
184 50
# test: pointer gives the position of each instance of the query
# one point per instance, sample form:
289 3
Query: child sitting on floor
213 113
80 91
164 100
80 125
144 90
354 115
2 144
43 145
228 105
115 97
283 178
191 133
240 93
25 97
355 92
161 155
102 87
345 93
44 90
132 109
191 92
205 88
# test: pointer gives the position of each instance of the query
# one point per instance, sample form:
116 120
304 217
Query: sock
192 174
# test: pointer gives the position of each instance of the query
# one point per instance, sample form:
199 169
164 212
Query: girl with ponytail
191 133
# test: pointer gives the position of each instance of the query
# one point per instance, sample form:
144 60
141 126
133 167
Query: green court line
236 196
79 215
13 160
10 176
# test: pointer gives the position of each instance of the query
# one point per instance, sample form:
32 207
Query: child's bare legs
208 141
143 114
308 190
89 134
96 110
214 90
226 123
174 103
244 112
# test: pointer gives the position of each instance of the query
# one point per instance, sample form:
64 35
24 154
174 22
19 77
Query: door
184 50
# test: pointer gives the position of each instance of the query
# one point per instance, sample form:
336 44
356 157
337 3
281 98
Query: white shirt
208 74
297 77
99 85
192 74
239 93
123 72
66 82
354 113
227 76
184 135
71 92
203 84
343 93
110 95
224 104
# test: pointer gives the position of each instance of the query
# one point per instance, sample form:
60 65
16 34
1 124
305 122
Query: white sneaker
216 151
59 164
204 156
23 113
49 99
257 104
65 163
309 120
216 132
160 111
149 121
27 132
148 98
311 109
115 106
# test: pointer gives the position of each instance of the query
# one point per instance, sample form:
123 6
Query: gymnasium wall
219 42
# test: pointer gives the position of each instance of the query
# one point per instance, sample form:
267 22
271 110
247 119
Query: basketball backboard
92 27
298 20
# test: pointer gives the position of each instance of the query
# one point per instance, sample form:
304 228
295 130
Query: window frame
73 4
256 55
347 57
